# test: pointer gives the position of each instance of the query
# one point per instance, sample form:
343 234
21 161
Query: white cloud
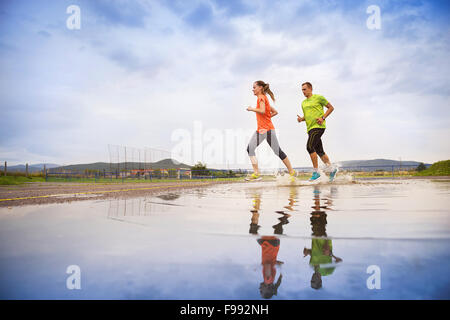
119 84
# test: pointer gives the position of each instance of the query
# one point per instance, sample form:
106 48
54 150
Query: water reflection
321 251
119 209
255 213
168 196
269 246
283 219
278 228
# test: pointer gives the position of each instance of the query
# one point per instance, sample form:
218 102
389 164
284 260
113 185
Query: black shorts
314 143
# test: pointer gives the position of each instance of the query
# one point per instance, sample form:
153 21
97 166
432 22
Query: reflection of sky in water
202 244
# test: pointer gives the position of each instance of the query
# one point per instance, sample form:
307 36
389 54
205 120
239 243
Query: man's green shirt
313 109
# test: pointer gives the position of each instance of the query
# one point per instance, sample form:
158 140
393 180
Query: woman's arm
261 109
273 112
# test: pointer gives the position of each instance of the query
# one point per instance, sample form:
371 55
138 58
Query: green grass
440 168
116 181
15 180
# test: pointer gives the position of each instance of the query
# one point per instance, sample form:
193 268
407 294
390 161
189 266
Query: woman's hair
266 88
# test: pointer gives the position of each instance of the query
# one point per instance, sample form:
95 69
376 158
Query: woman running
264 112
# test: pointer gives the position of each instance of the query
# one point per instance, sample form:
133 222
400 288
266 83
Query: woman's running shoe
253 177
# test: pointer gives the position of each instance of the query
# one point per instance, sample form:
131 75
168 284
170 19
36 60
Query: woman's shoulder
264 98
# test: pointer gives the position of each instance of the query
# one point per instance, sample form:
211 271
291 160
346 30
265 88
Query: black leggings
314 143
272 140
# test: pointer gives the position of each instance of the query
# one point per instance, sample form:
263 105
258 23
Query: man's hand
300 119
319 120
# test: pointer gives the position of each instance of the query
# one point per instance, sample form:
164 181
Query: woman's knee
251 151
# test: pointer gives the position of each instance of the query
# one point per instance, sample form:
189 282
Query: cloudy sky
154 74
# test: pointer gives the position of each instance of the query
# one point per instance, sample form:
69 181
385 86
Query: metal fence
148 175
158 174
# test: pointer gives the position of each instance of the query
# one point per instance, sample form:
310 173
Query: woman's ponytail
266 89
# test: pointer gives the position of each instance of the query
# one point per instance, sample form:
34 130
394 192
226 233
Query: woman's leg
255 141
273 143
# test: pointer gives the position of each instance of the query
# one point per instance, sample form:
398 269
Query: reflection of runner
283 220
313 114
255 214
321 250
264 112
270 246
278 228
321 253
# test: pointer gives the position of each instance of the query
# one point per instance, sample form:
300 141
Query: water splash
284 179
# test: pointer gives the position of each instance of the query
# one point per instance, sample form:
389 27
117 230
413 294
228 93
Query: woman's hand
249 109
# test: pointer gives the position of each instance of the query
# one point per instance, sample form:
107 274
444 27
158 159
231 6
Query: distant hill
162 164
380 164
31 167
373 165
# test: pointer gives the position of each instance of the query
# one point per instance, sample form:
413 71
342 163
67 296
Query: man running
314 116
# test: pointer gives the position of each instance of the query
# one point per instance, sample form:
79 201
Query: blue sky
137 71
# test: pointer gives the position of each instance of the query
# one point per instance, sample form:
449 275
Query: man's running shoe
253 177
333 174
315 176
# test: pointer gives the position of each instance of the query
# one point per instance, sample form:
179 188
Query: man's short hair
308 84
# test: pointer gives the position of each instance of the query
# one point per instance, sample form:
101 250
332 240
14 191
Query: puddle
242 241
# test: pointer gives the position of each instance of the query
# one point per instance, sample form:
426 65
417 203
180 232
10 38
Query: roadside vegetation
440 168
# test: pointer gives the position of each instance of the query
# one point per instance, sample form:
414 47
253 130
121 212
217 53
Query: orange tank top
270 246
264 120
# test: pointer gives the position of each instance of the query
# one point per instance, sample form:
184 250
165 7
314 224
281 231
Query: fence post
392 171
26 170
5 169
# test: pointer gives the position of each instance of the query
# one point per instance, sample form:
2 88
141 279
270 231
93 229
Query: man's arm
330 109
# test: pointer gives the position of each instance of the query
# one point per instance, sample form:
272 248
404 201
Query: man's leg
314 160
323 156
311 146
325 159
